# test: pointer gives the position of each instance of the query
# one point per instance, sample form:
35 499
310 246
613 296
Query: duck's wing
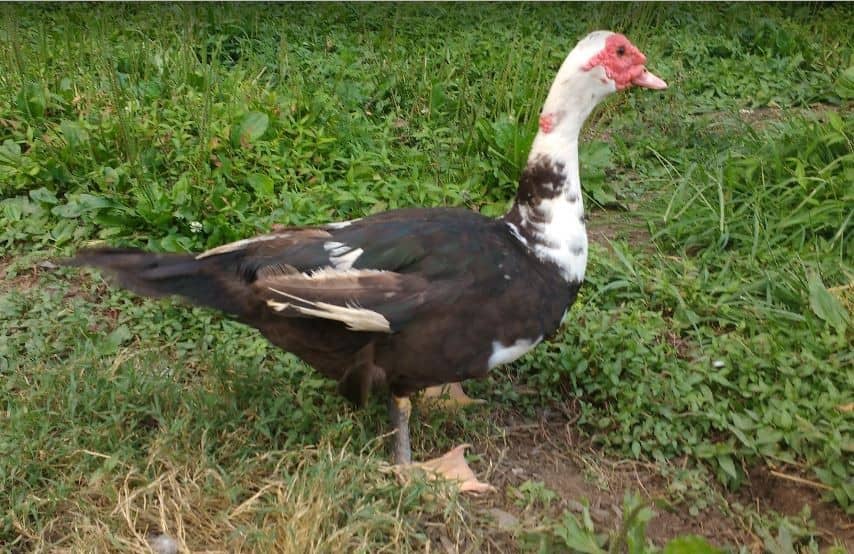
370 275
361 299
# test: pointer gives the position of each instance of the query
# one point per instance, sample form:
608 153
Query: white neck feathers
548 215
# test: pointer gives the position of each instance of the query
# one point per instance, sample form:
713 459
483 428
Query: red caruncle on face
622 61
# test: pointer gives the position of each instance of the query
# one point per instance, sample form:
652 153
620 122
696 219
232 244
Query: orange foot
450 396
453 467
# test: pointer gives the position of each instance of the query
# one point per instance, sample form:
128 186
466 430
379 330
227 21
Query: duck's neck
548 214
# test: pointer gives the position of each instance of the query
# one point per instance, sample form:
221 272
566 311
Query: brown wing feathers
364 300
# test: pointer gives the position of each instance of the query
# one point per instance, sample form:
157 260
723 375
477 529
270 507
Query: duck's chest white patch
563 236
502 354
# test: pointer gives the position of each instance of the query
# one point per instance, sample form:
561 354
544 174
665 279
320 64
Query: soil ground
551 450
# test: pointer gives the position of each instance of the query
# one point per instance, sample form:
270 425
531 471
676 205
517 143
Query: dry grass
311 500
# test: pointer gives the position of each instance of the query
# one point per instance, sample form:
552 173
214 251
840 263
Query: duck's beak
649 80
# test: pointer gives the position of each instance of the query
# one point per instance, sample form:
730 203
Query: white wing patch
354 317
515 232
336 248
505 354
342 256
341 224
239 245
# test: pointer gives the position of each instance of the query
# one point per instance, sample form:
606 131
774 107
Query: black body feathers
412 298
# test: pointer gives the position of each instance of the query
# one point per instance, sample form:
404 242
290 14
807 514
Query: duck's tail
204 282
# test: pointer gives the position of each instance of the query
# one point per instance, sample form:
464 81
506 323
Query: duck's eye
621 50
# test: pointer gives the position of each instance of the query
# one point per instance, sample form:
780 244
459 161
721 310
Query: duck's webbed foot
452 466
450 396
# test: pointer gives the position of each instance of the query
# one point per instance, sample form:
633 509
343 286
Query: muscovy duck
420 297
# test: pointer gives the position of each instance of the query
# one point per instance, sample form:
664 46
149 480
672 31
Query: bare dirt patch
786 496
606 226
13 276
22 274
761 118
553 452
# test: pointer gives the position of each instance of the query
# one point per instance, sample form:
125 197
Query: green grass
723 340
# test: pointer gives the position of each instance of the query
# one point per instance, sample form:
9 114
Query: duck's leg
451 466
449 396
400 408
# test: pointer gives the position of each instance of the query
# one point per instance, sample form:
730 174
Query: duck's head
602 63
618 63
